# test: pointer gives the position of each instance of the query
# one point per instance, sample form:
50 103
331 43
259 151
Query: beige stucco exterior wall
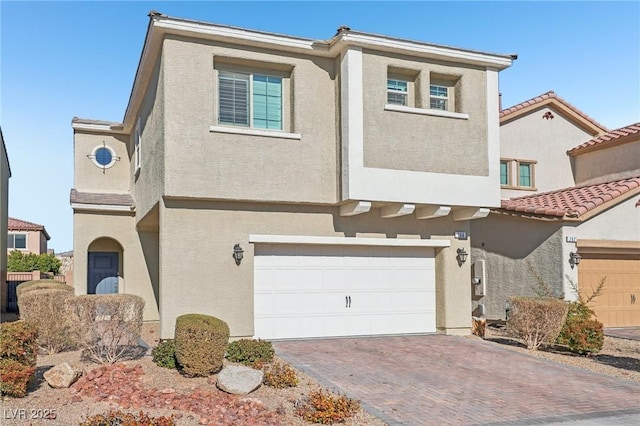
515 250
4 217
199 275
424 143
90 178
109 232
621 222
546 141
213 165
605 165
148 184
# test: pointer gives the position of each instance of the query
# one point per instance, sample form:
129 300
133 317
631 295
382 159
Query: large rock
239 380
62 376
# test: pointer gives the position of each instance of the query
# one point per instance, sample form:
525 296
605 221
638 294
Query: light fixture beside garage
462 255
238 254
574 259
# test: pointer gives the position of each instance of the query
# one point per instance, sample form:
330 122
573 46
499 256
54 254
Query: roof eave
603 145
161 25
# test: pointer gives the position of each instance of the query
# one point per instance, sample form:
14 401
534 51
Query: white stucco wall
546 141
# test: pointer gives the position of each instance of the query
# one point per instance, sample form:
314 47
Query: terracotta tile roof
544 98
614 137
14 224
101 198
571 202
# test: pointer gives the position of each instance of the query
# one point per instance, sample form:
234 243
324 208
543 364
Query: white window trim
137 146
236 130
114 158
250 76
422 111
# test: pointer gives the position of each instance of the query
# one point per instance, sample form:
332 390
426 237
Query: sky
64 59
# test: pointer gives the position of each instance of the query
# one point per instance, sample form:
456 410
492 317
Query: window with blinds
250 100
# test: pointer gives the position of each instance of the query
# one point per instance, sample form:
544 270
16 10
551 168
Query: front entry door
103 273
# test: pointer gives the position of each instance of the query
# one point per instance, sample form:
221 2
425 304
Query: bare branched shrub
50 310
542 289
109 326
536 320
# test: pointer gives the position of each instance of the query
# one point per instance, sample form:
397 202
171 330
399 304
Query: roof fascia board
102 207
561 107
160 25
4 150
98 128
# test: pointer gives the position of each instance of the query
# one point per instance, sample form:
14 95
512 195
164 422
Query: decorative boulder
239 380
62 376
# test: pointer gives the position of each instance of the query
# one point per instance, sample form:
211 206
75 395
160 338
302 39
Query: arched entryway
104 267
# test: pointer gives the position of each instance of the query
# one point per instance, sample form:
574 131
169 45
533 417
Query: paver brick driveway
448 380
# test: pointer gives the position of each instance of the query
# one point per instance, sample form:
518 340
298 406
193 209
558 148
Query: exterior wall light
574 259
462 255
238 254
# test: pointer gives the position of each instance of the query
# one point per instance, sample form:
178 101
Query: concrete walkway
632 333
447 380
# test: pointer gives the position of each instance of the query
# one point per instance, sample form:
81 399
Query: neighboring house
5 174
27 237
580 220
291 187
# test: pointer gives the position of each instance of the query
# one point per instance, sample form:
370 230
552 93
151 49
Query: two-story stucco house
569 212
5 174
291 187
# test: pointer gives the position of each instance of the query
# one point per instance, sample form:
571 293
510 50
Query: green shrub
200 344
280 375
164 354
50 311
536 320
323 407
582 336
45 262
109 325
19 342
128 419
14 377
250 352
41 285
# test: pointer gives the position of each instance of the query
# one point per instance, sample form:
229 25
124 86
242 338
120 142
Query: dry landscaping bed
140 385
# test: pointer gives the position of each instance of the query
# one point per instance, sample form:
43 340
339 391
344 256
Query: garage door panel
391 289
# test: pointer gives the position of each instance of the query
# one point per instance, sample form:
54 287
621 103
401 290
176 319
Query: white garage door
321 291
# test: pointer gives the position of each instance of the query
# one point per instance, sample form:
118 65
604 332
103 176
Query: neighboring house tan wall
5 174
34 237
532 138
611 163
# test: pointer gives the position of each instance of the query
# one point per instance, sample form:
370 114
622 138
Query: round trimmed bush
200 344
40 285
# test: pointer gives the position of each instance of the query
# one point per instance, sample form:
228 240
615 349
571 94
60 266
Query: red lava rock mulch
122 385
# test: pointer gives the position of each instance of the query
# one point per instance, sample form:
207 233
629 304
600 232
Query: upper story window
136 147
517 174
504 173
525 174
17 241
439 97
397 92
250 100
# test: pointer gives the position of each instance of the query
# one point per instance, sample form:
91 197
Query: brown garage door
619 304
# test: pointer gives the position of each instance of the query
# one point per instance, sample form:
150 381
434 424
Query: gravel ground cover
141 385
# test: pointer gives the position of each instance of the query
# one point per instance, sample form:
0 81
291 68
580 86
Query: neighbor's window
136 150
525 174
504 173
397 92
439 97
250 100
17 241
